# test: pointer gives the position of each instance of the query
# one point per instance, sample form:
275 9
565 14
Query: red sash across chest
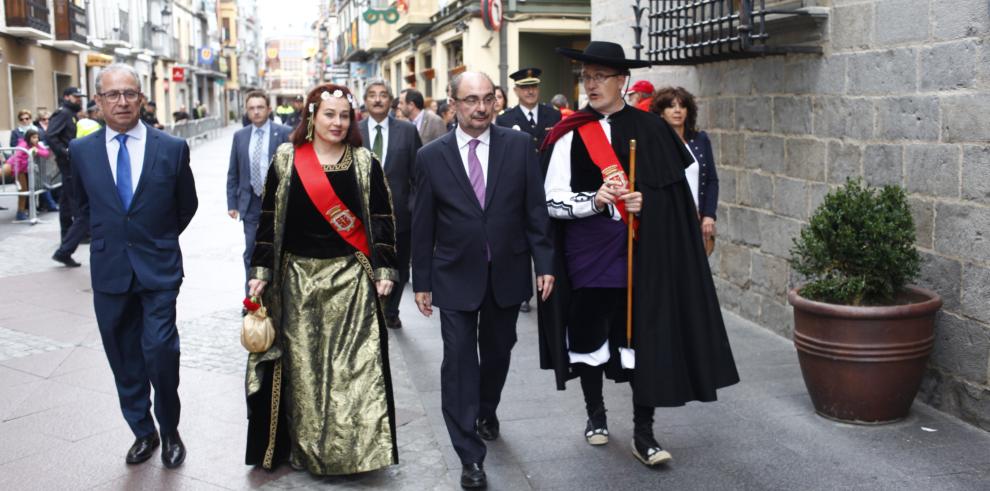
321 193
603 155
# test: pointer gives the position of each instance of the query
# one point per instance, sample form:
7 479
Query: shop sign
178 74
98 59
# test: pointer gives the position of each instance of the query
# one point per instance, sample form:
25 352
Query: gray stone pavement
60 425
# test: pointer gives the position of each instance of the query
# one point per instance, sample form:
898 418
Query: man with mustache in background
395 143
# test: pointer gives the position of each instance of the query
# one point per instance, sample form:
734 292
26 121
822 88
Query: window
687 32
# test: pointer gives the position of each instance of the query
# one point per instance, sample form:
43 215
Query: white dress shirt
418 120
137 137
371 136
691 172
534 111
562 202
481 150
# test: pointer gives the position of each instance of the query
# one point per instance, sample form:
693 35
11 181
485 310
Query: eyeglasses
598 78
473 101
114 95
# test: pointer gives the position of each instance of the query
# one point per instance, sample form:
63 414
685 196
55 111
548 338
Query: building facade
894 91
40 51
422 44
240 38
289 60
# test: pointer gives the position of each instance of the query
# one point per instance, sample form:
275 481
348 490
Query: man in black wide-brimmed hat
681 349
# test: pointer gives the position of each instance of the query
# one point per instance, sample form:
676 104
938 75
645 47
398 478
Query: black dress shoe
173 451
142 449
473 476
393 322
66 260
487 428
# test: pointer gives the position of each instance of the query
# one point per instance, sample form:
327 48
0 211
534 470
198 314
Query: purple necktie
475 174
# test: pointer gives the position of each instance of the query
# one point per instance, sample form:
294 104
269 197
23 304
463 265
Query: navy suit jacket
143 241
701 147
400 156
451 232
239 172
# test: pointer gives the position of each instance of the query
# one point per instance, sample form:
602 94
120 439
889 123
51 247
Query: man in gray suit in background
395 143
250 155
430 125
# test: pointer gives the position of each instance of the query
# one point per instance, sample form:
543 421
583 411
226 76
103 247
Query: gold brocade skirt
334 380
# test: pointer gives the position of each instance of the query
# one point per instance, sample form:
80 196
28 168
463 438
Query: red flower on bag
250 305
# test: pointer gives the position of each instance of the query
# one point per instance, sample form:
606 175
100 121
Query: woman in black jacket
676 106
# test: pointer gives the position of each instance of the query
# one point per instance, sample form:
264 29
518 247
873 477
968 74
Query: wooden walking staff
627 355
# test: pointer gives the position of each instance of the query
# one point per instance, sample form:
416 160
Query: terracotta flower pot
864 364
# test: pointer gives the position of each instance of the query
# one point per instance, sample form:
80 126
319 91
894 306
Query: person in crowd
24 124
181 115
678 108
395 143
135 186
560 103
285 112
478 221
199 110
42 122
91 121
446 113
680 348
323 260
640 95
61 131
148 115
501 102
530 116
251 153
292 120
430 105
429 125
20 162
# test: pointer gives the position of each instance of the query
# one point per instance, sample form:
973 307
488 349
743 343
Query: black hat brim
601 60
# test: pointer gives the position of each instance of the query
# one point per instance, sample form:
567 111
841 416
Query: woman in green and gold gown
321 396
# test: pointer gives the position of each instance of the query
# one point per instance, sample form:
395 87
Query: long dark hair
665 97
298 136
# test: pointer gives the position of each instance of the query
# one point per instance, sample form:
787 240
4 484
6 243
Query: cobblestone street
61 427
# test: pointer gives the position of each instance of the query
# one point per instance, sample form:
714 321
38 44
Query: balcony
28 19
120 36
70 26
417 19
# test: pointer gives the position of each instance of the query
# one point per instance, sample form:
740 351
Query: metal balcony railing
687 32
70 22
28 13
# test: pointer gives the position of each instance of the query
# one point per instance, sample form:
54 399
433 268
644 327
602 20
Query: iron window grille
688 32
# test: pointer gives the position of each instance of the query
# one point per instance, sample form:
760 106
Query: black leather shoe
487 428
473 476
393 322
142 449
66 260
173 451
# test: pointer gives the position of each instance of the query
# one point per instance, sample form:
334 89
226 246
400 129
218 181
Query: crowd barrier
195 130
43 175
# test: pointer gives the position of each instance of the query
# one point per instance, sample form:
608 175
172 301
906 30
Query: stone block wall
901 96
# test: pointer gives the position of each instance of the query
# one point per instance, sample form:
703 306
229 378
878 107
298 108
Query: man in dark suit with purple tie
136 188
479 219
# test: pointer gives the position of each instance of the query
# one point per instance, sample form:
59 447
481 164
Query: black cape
682 350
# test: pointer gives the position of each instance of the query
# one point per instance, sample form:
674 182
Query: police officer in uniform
530 116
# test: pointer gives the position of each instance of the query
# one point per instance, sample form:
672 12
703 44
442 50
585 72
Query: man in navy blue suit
250 155
479 218
135 186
